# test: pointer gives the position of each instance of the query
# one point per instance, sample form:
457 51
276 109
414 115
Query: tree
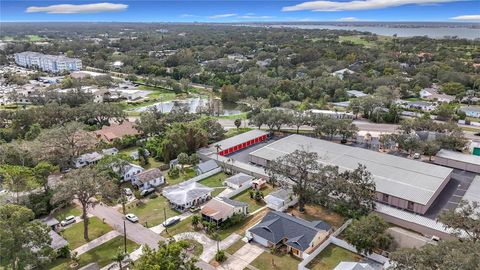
302 170
193 159
168 256
195 221
347 129
23 242
368 233
16 178
151 122
119 257
444 255
355 191
430 148
41 172
299 119
463 220
453 88
238 123
33 132
183 159
445 112
61 144
85 185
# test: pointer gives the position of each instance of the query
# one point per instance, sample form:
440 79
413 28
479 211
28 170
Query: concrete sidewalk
96 242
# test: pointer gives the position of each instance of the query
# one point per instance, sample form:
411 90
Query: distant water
432 32
191 104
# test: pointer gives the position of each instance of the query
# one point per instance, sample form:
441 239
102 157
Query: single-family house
220 209
110 151
206 166
433 94
135 156
129 171
58 241
148 179
116 131
239 180
471 111
340 73
259 183
301 237
87 159
353 266
281 199
418 105
187 194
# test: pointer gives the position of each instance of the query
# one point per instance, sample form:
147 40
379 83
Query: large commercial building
50 63
236 143
400 182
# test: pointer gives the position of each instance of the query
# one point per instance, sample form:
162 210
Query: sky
240 11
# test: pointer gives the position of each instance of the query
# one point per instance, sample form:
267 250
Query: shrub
64 252
220 256
174 172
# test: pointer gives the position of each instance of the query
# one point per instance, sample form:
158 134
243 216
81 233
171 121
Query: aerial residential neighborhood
234 135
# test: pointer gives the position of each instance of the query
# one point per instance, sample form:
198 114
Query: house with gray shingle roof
301 237
148 179
206 166
238 180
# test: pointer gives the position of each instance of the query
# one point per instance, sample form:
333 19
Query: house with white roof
340 73
87 159
281 199
238 180
129 171
187 194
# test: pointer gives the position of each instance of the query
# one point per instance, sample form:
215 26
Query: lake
432 32
192 104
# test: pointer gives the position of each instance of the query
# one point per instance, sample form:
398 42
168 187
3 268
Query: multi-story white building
51 63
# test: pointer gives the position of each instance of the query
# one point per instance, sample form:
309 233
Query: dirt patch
315 212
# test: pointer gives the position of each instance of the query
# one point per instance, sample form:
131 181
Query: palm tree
218 148
119 257
195 221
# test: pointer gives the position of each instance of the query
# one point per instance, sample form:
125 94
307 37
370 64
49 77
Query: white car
171 221
67 221
131 218
128 191
416 155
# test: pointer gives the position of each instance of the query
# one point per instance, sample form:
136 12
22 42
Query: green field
74 233
215 180
152 212
102 255
331 256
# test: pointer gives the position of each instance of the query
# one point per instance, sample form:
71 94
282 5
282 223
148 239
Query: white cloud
255 17
187 15
71 9
359 4
349 19
219 16
466 18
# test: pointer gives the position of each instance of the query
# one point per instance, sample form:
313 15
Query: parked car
171 221
128 191
147 191
416 155
67 221
131 218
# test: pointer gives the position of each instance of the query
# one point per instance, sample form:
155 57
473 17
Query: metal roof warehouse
239 142
400 182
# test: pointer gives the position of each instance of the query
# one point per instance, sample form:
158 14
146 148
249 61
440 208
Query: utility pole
165 217
125 236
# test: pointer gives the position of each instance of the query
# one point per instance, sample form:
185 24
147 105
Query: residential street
135 231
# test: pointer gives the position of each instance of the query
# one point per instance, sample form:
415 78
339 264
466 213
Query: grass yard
151 213
243 226
160 93
235 131
70 210
215 180
183 226
195 247
242 116
331 256
252 204
102 254
185 175
74 233
217 191
316 212
152 163
267 261
235 247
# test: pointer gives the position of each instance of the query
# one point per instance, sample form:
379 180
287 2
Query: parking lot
452 193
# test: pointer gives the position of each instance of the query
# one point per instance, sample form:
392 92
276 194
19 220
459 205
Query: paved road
135 232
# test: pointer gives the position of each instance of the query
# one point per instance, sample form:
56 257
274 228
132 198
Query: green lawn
331 256
217 191
252 204
242 116
159 93
183 226
151 213
185 175
235 247
235 131
267 261
102 254
215 180
152 163
74 233
71 210
195 247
